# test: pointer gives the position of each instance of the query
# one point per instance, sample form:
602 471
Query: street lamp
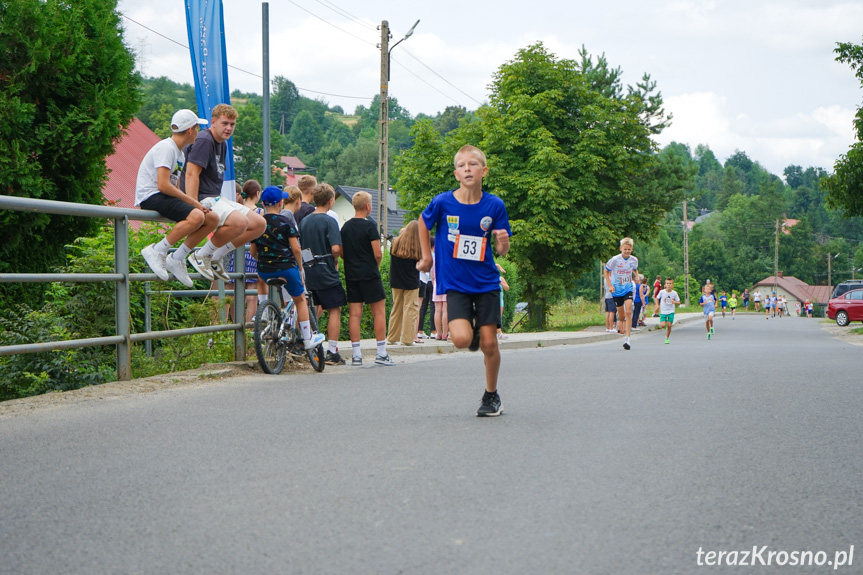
384 142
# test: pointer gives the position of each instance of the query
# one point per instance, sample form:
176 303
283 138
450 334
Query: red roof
123 166
799 289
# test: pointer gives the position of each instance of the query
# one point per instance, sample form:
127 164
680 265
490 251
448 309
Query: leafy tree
160 98
67 91
449 119
576 168
307 133
283 103
249 141
845 187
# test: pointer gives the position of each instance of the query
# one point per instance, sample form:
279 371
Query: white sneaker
202 265
156 261
384 360
220 269
316 340
179 271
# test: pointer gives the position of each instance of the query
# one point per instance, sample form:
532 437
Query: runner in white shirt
619 272
668 300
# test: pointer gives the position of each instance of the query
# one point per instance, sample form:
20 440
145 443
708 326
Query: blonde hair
468 149
626 242
323 194
361 200
307 183
294 193
225 110
407 243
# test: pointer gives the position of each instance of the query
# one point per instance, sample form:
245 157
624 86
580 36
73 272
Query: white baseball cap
185 119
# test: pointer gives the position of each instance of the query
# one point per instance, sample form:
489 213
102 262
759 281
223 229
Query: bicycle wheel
268 347
316 355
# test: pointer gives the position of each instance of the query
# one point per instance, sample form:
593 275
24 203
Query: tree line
570 147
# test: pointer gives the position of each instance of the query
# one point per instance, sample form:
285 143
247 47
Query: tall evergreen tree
67 91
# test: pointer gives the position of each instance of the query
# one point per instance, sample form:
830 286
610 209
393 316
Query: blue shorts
294 283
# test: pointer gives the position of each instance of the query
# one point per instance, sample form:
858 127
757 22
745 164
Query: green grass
575 315
857 331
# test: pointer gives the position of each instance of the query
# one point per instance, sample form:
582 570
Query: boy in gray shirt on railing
156 189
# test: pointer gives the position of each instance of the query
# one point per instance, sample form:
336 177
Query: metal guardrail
121 278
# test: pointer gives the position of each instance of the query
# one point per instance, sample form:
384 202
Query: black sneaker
334 359
474 343
490 406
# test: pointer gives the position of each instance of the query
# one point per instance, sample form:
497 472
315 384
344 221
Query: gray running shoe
220 269
384 360
179 271
156 261
202 265
357 361
490 406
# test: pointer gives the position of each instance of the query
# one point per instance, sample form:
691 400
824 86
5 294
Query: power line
442 78
331 24
240 69
345 13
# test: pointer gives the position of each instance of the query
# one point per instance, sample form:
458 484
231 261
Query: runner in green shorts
668 299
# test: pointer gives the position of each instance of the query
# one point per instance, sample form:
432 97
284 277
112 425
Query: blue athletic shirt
709 303
475 222
621 273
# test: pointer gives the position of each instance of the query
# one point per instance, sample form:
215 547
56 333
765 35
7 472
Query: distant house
294 168
123 164
345 209
794 289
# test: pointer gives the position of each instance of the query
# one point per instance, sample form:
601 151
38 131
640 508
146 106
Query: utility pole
383 142
685 255
829 271
265 16
776 257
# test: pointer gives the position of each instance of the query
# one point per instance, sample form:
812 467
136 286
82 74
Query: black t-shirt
318 233
404 273
208 154
305 209
274 246
357 237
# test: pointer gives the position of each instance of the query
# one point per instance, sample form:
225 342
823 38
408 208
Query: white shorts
708 315
224 208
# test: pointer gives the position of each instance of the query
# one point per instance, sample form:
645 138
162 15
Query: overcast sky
737 75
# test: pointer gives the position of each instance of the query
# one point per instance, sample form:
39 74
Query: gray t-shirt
208 154
319 233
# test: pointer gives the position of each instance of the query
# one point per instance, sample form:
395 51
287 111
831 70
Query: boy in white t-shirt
156 189
667 299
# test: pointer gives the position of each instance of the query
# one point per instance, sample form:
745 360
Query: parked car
846 308
847 285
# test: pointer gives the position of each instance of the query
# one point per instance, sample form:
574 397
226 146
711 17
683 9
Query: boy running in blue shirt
708 305
467 221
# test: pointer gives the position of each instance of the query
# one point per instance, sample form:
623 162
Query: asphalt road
605 461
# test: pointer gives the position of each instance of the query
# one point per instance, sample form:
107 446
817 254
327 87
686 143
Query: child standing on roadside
667 299
468 221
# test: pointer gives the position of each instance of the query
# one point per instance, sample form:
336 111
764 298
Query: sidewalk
522 340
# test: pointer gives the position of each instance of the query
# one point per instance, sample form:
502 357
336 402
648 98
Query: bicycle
277 332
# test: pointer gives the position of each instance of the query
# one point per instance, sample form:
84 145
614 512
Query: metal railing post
240 303
148 323
121 292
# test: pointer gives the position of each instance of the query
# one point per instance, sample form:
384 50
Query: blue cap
273 195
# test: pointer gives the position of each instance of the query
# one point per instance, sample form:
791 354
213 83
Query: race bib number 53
469 248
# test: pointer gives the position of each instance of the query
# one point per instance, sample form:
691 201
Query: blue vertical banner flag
206 25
